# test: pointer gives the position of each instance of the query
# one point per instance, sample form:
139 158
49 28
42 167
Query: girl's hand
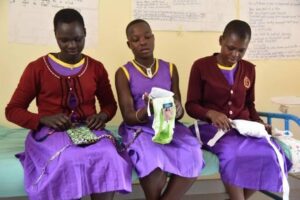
179 109
146 97
147 101
219 119
59 122
268 128
96 121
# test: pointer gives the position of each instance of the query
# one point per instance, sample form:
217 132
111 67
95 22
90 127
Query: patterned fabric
292 146
82 135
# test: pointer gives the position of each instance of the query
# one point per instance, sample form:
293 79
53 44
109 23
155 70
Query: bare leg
235 193
248 193
153 184
103 196
177 187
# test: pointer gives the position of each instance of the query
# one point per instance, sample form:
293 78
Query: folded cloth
244 127
250 128
82 135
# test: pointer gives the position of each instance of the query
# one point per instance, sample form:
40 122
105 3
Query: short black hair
133 22
67 15
239 27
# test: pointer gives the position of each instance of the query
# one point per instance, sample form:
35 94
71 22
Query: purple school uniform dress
57 169
246 162
183 155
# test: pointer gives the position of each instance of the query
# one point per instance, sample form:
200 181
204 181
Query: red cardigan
208 89
50 89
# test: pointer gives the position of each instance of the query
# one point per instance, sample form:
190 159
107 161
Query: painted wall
274 77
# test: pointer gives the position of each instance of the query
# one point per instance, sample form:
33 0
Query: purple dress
246 162
183 156
55 168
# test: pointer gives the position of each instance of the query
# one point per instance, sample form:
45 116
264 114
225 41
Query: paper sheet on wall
31 21
275 27
185 15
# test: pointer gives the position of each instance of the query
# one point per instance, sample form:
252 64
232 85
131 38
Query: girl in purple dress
221 87
182 157
65 86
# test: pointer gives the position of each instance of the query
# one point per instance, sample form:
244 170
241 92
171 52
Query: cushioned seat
11 171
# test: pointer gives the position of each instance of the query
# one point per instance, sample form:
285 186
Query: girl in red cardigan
66 85
221 87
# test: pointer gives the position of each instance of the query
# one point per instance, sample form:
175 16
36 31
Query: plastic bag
164 115
164 119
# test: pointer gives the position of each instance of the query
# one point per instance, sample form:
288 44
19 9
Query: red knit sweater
50 89
209 89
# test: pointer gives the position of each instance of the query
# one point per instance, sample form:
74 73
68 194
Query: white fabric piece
285 183
217 136
245 127
250 128
148 107
197 131
160 92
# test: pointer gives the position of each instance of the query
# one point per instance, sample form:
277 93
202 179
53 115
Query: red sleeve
250 99
194 96
105 96
17 109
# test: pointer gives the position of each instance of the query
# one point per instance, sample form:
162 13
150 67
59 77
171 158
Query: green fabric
164 119
82 135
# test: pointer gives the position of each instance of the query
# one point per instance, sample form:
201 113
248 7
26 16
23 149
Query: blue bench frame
286 117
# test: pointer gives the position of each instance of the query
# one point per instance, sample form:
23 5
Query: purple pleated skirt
182 157
246 162
57 169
